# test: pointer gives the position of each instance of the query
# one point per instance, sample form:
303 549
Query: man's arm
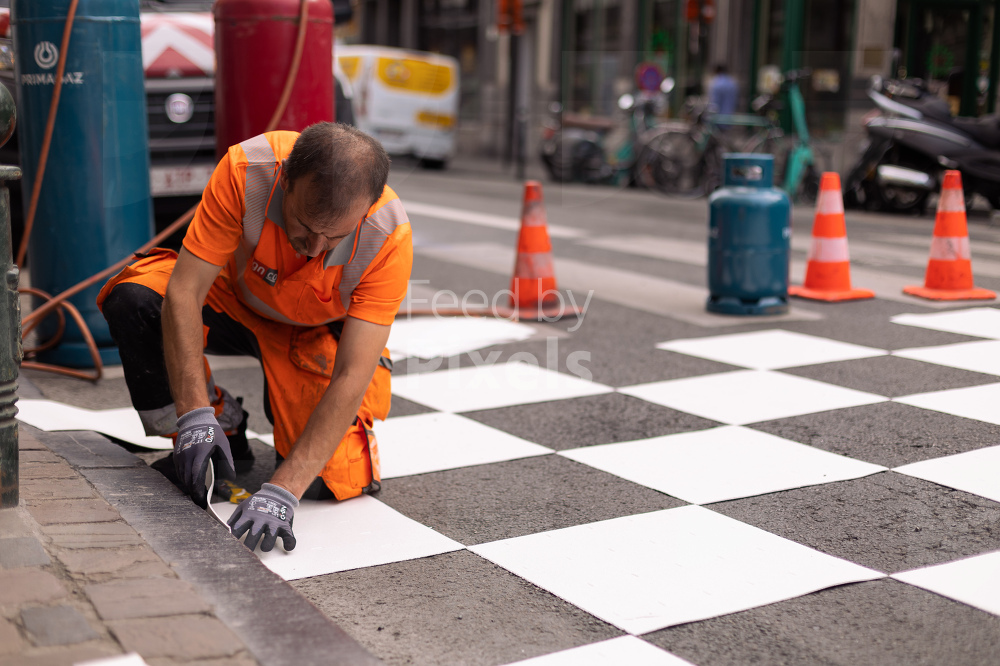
358 351
183 335
200 438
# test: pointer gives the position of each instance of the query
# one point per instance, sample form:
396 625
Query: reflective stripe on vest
262 174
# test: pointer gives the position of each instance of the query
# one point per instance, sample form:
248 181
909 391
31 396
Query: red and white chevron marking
178 44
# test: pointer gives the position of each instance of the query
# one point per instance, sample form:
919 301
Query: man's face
311 237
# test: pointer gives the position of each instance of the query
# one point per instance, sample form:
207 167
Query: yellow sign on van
413 75
350 65
442 120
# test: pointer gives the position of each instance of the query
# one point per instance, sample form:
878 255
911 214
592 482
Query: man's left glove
199 439
268 513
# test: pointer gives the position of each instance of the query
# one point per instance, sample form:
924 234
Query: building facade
583 54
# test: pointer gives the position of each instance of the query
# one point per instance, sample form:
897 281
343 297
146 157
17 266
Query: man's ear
283 178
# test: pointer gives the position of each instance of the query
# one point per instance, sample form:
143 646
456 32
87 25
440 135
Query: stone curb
275 622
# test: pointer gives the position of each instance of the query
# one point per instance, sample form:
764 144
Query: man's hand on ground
199 439
268 514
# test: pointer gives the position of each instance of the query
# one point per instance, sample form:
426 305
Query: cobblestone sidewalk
105 557
78 582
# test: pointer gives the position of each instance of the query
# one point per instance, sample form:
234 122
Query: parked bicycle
685 157
583 148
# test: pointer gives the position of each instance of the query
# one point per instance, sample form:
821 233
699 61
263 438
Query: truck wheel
433 164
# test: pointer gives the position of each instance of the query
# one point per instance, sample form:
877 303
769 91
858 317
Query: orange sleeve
381 291
215 231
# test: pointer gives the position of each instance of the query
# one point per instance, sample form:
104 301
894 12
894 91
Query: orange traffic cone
533 287
828 273
949 270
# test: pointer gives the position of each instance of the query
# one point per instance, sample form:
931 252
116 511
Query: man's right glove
268 513
199 439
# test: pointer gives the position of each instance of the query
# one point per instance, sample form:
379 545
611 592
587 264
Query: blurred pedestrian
723 91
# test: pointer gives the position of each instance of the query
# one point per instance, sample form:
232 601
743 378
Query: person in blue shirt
723 91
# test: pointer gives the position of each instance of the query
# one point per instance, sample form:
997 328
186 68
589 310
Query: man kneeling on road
299 255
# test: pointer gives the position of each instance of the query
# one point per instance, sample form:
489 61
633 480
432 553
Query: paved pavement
689 496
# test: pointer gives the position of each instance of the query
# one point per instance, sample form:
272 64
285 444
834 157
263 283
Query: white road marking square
623 650
336 536
973 402
979 356
433 442
976 472
266 439
491 386
770 350
721 464
122 423
749 396
432 337
974 581
654 570
980 322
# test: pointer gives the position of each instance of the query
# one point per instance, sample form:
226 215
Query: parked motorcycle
575 147
912 142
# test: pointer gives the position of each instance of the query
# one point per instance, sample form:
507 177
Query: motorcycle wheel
902 200
670 163
557 159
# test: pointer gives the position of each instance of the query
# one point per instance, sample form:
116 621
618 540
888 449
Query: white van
406 99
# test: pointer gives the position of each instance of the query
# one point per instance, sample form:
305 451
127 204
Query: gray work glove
199 439
268 513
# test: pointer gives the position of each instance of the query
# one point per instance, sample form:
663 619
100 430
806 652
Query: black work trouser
133 313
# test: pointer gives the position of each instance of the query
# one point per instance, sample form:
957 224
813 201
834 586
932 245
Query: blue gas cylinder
95 203
748 239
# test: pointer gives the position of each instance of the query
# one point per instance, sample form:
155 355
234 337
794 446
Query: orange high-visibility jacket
239 226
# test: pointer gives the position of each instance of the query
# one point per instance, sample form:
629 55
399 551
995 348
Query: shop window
592 57
948 45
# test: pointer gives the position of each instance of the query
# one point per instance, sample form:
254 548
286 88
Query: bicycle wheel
670 163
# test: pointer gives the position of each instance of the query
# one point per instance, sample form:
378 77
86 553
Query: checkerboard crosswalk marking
688 563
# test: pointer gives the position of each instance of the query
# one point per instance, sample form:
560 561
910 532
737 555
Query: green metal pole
10 324
791 54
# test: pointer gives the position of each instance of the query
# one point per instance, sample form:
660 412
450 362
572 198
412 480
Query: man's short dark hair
342 162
